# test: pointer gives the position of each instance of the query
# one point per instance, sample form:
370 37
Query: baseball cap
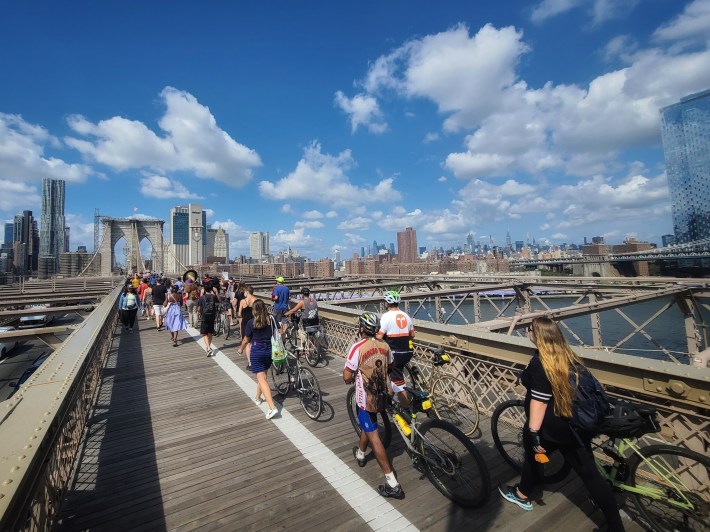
280 279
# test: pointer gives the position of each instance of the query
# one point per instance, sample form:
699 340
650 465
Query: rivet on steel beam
7 482
13 469
650 381
22 457
702 398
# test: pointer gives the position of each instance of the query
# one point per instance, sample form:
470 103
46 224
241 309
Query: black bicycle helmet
306 291
370 323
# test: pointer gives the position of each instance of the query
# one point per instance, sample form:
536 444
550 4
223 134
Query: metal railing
42 425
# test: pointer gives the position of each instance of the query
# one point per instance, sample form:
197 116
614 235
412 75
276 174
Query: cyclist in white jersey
397 329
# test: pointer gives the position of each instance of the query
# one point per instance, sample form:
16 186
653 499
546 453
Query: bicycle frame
617 452
410 441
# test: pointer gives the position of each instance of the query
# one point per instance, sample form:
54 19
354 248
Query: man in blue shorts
366 365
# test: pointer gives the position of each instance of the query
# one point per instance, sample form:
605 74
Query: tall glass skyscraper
685 129
52 235
258 245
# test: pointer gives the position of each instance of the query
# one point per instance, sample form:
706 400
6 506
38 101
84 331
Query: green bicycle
670 485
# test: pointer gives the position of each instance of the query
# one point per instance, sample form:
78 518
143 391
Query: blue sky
331 126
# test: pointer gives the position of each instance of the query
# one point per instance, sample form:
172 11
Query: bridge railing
490 363
42 425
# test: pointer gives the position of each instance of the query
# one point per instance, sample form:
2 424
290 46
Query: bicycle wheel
311 351
225 326
507 430
383 422
309 393
453 401
453 464
281 375
675 485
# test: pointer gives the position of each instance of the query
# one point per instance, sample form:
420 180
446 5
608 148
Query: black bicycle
290 374
436 447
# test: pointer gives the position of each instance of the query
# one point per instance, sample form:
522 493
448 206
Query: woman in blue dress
174 320
258 331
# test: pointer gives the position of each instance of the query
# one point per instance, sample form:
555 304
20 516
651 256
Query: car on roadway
29 372
35 320
7 344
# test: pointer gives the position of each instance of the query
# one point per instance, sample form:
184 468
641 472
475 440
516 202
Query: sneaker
360 461
248 366
388 491
510 494
258 401
271 413
209 351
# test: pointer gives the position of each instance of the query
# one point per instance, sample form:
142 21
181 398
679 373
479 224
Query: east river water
668 329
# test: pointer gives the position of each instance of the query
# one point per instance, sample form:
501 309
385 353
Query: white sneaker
271 413
258 401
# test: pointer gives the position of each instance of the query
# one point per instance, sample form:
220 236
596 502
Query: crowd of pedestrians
375 364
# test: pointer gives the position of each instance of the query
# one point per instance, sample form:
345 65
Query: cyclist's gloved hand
536 445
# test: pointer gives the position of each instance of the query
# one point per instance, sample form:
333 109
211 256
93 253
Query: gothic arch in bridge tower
134 231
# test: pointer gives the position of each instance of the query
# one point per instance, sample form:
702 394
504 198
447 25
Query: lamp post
197 236
126 251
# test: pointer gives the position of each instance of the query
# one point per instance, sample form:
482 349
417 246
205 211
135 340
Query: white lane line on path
375 510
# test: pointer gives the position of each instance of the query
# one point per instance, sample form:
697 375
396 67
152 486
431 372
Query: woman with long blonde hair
548 408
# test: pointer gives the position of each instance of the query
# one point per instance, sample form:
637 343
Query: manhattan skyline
330 128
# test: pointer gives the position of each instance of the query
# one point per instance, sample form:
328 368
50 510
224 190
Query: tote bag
278 350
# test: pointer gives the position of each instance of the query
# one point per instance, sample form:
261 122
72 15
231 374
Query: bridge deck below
175 442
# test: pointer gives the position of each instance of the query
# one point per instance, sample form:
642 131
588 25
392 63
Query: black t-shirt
554 428
159 293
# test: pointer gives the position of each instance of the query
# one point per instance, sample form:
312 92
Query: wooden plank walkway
175 443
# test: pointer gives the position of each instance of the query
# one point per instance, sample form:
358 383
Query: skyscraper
685 129
407 245
188 236
25 242
52 232
259 245
8 233
217 248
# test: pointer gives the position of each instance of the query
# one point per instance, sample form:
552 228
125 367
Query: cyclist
548 408
366 365
280 296
308 307
397 329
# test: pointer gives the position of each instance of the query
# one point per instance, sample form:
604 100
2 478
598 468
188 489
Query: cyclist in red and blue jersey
366 365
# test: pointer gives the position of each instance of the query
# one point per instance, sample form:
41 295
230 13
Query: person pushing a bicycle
366 365
397 329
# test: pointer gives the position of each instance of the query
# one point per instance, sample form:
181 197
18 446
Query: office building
8 233
259 245
52 232
217 248
407 245
25 243
667 240
188 237
685 130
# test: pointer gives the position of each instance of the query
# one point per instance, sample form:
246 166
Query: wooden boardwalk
176 443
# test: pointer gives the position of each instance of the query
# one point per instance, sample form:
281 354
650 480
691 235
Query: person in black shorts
207 310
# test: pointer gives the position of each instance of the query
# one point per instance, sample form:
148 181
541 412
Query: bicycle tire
226 327
507 430
309 393
453 401
384 426
453 464
281 376
311 351
691 472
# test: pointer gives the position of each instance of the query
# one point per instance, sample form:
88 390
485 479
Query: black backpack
590 404
209 308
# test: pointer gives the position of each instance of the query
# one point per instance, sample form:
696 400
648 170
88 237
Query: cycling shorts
401 358
367 420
